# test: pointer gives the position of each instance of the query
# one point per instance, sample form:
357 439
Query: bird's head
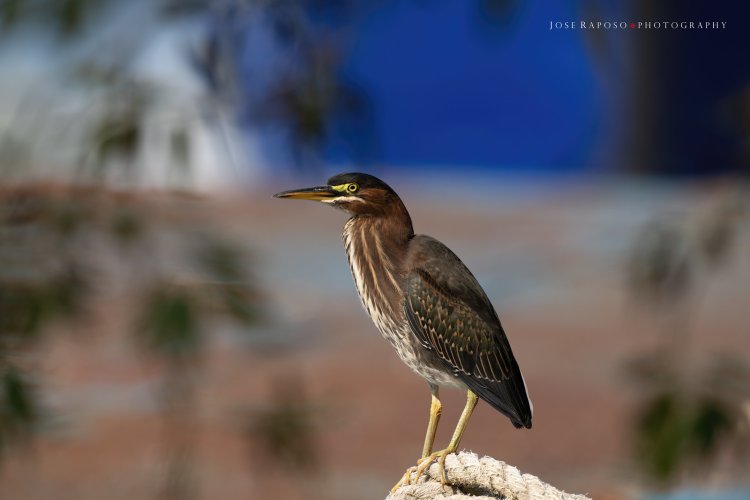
358 194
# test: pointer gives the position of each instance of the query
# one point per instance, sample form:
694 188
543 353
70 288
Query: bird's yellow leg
425 462
436 409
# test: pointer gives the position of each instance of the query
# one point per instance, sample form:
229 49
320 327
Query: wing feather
450 314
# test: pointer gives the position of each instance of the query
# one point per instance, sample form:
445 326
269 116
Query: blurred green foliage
126 226
103 138
285 430
303 101
55 241
50 274
70 18
33 294
305 95
677 429
25 309
19 409
71 14
170 322
9 12
689 412
173 315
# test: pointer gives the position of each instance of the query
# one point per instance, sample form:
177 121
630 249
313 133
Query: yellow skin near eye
351 187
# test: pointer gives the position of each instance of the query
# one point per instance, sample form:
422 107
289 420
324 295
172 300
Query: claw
441 465
425 463
405 479
422 465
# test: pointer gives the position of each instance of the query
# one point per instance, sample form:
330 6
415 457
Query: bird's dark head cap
357 193
364 181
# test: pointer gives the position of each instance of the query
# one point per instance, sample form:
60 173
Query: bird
428 305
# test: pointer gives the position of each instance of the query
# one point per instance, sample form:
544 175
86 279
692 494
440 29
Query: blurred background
168 330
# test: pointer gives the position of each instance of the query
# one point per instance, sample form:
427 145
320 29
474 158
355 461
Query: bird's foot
422 465
405 479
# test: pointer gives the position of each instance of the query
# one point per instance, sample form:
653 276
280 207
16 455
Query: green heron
427 304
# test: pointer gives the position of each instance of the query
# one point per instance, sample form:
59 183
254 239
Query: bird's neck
382 239
376 248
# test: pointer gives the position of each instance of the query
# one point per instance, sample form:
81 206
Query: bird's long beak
317 193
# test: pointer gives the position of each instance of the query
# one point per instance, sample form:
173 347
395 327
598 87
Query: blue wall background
487 84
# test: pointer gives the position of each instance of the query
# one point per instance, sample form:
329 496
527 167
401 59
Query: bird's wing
450 314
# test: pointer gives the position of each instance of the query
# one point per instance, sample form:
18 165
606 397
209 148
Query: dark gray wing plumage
450 314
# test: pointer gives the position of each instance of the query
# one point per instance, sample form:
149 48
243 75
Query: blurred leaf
169 322
674 430
18 398
117 137
71 15
66 293
285 430
67 217
233 292
720 231
712 421
25 308
126 225
306 101
663 436
242 304
19 409
118 133
20 309
10 11
660 268
288 21
221 260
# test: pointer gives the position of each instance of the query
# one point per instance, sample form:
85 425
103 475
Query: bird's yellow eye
352 187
